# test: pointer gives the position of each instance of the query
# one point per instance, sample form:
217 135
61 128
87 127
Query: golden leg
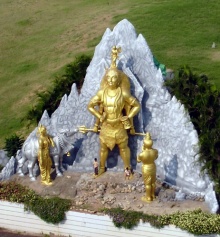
148 193
145 199
103 158
125 154
153 191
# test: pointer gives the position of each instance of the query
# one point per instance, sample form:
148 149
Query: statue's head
148 143
112 77
42 130
114 47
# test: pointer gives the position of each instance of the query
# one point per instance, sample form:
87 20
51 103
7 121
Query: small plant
130 219
12 144
46 235
14 192
51 210
195 222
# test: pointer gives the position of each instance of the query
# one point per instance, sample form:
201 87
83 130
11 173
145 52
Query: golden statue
147 157
45 141
114 55
114 108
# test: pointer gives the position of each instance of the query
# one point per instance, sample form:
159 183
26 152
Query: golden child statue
147 157
45 141
117 107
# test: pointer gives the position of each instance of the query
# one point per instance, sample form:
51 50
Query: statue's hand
95 128
132 131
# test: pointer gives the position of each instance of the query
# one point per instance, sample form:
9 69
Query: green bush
13 144
51 210
50 99
202 100
13 192
195 222
130 219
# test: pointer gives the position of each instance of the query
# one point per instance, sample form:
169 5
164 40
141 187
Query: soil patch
111 190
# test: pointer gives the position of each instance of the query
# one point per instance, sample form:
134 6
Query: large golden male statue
117 107
147 157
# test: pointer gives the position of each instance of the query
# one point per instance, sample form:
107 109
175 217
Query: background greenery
38 38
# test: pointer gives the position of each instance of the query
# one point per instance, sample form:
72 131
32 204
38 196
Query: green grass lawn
38 38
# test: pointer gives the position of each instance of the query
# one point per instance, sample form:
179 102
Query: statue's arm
95 101
156 154
40 149
139 157
134 104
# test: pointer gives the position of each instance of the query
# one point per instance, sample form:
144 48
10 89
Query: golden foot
46 183
94 176
131 176
101 171
145 199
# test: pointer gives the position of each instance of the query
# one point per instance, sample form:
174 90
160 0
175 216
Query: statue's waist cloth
149 173
112 132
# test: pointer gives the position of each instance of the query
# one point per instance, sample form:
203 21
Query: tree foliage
50 99
12 144
202 100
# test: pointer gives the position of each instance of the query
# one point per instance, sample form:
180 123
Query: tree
50 99
13 144
202 100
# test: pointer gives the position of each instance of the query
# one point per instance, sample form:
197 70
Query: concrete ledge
13 217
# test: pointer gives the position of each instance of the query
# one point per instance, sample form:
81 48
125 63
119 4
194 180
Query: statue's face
43 131
112 79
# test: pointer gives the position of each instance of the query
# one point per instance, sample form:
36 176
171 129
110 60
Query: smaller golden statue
114 55
45 141
147 157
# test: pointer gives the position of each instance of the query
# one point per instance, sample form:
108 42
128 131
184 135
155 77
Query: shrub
13 192
126 219
130 219
12 144
51 210
50 99
202 100
195 222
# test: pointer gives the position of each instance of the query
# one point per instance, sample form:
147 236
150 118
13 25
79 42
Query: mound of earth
90 194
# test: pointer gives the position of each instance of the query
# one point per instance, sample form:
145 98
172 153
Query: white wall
76 224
